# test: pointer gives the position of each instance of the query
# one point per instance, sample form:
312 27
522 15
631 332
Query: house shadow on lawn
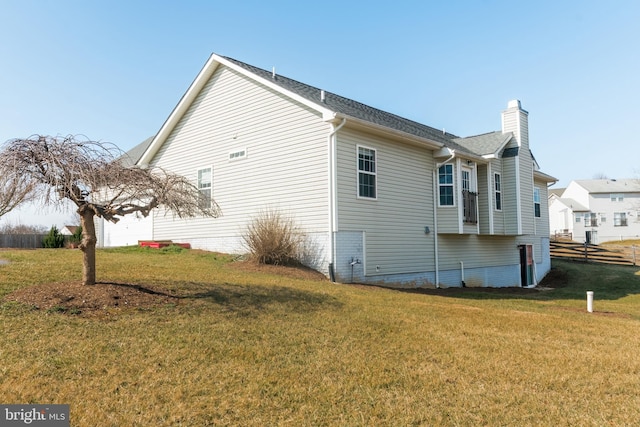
565 281
248 299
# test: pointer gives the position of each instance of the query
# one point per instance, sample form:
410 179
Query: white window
445 185
536 202
367 173
497 185
617 197
619 219
205 182
238 154
603 218
469 197
590 220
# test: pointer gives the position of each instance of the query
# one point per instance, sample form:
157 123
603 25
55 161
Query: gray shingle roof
356 109
610 185
557 191
485 144
575 206
131 157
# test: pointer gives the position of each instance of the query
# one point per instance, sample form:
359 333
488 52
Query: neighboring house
381 199
597 210
69 230
130 228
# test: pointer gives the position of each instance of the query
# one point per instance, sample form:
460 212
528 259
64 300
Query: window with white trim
367 174
536 202
497 187
617 197
205 181
445 185
619 219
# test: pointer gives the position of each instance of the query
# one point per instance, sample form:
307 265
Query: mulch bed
76 298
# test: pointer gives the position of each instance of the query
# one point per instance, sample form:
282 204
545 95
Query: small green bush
54 239
76 237
272 238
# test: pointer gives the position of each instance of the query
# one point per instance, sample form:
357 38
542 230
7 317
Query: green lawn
262 349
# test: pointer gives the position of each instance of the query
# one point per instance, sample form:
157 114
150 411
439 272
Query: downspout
331 143
435 215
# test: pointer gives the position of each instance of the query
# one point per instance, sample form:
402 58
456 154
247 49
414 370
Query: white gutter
333 209
518 197
492 191
433 145
435 214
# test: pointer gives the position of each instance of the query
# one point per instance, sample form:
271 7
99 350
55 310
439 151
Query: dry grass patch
261 348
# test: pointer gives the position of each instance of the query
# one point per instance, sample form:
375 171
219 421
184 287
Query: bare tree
89 174
14 188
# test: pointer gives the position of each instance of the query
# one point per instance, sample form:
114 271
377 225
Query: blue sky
113 71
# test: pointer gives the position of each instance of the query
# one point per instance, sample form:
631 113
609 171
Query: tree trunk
88 246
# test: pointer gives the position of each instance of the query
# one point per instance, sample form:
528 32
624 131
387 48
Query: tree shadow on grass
241 299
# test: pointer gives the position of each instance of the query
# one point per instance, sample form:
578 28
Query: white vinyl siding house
285 139
597 210
403 208
380 199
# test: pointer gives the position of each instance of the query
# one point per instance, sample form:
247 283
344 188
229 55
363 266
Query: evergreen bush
54 239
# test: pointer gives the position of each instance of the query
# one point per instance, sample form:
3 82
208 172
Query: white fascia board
270 84
201 79
505 141
185 102
544 177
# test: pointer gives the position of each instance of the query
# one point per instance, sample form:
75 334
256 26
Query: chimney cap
514 103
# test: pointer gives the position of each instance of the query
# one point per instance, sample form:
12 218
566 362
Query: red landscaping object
157 244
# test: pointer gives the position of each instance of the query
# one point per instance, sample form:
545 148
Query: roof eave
180 109
544 177
384 130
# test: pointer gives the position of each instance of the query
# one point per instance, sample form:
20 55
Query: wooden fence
593 253
21 241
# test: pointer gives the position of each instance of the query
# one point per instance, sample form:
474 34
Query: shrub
76 238
54 239
272 238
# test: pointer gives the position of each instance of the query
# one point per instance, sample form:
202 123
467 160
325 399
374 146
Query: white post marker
590 301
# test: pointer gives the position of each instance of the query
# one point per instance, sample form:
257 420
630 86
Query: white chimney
516 120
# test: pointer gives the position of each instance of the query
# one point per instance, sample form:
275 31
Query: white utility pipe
435 216
332 143
590 301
